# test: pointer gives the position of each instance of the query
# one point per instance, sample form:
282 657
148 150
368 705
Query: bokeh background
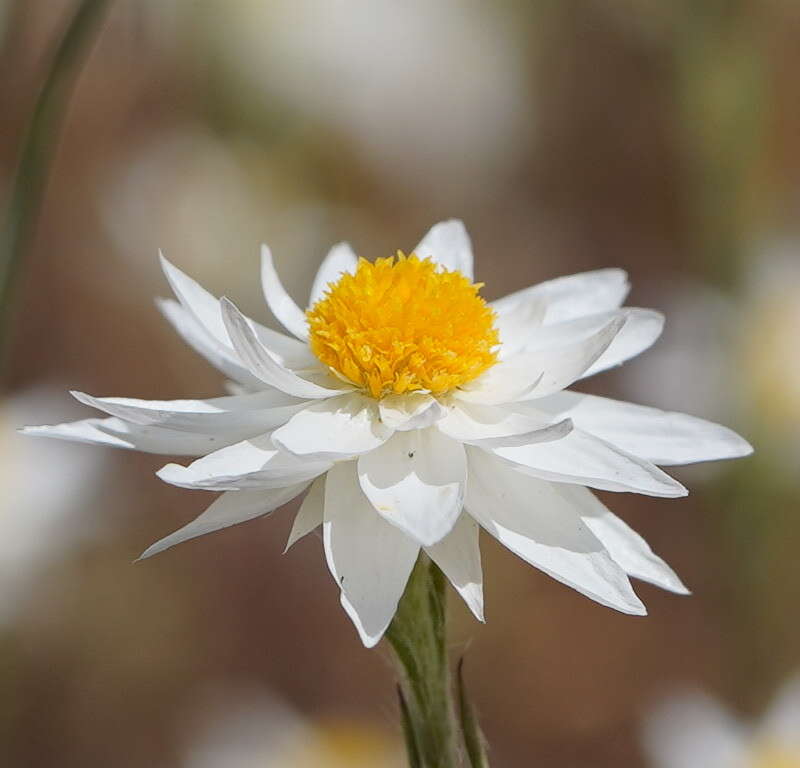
662 137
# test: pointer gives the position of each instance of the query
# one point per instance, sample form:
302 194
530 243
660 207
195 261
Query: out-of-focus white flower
256 731
427 91
415 413
43 511
695 731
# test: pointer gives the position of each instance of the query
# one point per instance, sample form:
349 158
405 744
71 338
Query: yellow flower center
399 325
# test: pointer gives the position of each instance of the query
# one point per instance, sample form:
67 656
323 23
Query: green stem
39 145
418 636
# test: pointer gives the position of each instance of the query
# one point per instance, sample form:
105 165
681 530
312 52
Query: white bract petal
584 459
229 509
459 557
416 481
243 415
534 521
117 433
262 364
205 309
339 427
481 424
249 464
341 259
626 546
448 244
412 411
573 296
519 325
540 372
663 437
286 312
310 514
370 559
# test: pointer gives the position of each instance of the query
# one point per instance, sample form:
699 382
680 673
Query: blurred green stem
38 148
418 635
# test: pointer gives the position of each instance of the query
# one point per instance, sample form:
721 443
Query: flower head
414 414
692 730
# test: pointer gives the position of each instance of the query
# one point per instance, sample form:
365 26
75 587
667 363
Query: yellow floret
398 325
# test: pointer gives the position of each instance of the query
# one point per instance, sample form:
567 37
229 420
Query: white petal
221 356
341 259
310 514
584 459
693 731
663 437
288 314
340 426
540 372
369 559
261 363
205 309
416 482
229 509
626 546
475 423
249 464
534 521
519 325
459 556
448 244
412 411
573 296
121 434
235 417
642 328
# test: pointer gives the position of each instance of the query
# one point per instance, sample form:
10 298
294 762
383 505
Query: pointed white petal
519 325
229 509
369 559
642 328
416 482
584 459
262 364
693 731
448 244
341 259
249 464
459 556
121 434
205 309
573 296
412 411
235 417
540 372
663 437
626 546
310 514
288 314
475 423
332 429
534 521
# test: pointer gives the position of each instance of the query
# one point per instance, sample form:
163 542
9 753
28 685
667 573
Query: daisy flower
692 730
414 414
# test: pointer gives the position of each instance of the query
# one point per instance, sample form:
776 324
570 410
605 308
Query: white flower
433 414
692 730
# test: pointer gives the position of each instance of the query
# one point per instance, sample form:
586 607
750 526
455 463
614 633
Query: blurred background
569 135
